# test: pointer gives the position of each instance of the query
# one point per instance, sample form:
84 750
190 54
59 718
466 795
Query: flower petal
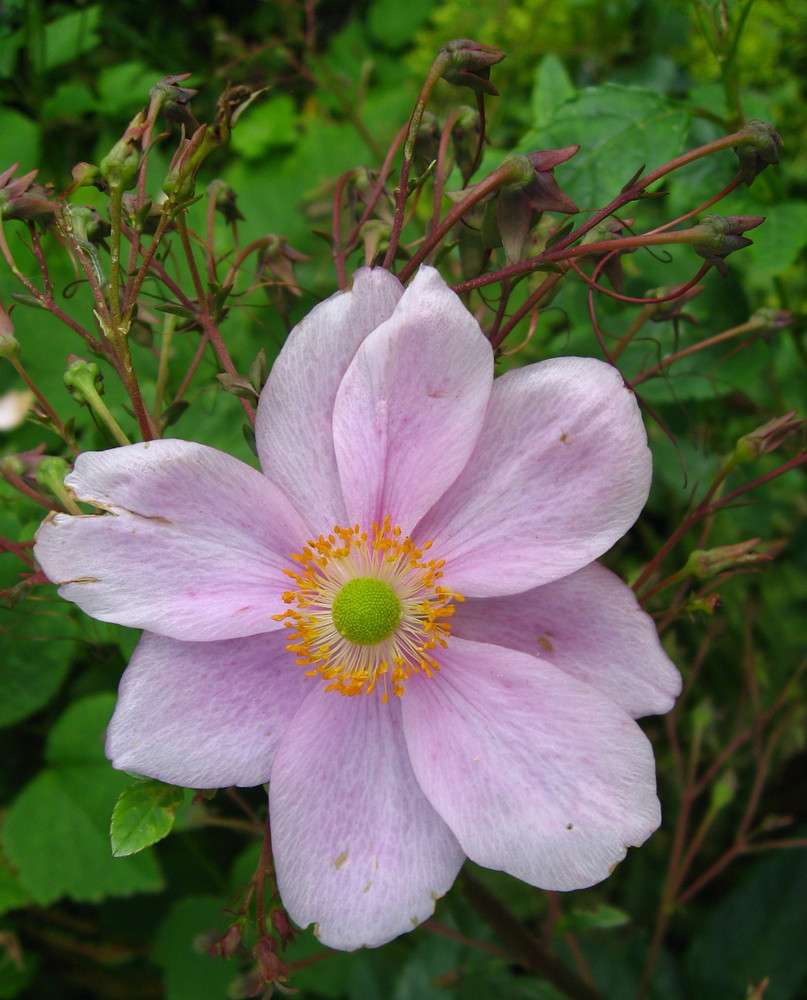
590 625
205 714
358 849
293 428
560 472
411 405
194 548
536 774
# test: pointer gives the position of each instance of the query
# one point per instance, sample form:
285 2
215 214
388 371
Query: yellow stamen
380 566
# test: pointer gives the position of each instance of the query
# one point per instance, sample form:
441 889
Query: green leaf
19 141
190 974
12 894
269 125
394 24
71 36
37 651
56 830
618 128
778 243
552 86
756 931
144 814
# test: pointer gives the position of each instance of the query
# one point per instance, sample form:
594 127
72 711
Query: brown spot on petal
414 921
341 859
564 438
545 643
368 887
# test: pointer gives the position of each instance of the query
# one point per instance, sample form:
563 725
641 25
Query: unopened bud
672 308
282 925
51 472
120 166
233 102
84 381
465 138
21 198
468 64
87 175
722 236
174 101
759 148
766 438
772 320
83 222
706 563
225 947
224 200
9 345
269 964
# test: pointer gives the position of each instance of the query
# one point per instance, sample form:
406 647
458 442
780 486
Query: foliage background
77 923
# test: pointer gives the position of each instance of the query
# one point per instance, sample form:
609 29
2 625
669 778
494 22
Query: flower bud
84 381
766 438
20 198
721 236
225 947
772 320
282 925
233 102
166 95
224 200
120 166
672 308
9 345
427 141
269 964
468 65
758 148
276 268
87 175
706 563
83 222
465 139
50 473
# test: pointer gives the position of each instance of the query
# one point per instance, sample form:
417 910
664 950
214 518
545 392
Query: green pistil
366 611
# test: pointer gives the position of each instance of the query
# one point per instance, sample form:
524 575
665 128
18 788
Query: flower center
367 609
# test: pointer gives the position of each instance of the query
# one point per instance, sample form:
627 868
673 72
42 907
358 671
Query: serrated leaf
619 128
37 651
56 832
144 814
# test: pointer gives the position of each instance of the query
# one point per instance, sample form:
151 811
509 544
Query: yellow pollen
367 610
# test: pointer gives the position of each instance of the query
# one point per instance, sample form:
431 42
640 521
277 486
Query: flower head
399 624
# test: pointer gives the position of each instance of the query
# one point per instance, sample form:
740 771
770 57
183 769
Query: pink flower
498 727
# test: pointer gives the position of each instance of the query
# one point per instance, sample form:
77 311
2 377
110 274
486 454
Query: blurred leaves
55 832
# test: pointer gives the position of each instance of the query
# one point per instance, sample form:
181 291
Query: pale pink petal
560 472
535 773
293 428
358 850
194 545
588 624
205 714
411 405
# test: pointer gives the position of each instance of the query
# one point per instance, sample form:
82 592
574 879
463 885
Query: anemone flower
398 624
